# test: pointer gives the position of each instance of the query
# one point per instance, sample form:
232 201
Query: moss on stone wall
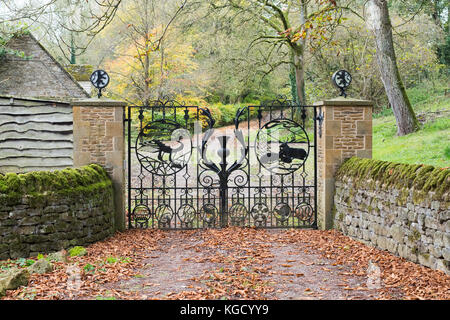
47 211
62 181
40 187
396 207
423 178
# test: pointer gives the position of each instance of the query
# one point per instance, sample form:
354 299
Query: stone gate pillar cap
95 102
343 102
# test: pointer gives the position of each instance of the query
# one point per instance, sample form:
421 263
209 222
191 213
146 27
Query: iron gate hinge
320 118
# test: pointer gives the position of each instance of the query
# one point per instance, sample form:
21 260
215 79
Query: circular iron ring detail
341 79
186 213
164 214
163 147
282 146
282 212
209 213
237 214
304 212
141 215
260 212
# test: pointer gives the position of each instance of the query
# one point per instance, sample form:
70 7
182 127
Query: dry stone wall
401 208
41 212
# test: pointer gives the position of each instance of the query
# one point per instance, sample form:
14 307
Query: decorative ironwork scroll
260 173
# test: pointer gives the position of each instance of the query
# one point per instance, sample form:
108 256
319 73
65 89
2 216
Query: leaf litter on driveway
235 263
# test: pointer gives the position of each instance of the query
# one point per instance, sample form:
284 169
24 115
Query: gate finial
342 79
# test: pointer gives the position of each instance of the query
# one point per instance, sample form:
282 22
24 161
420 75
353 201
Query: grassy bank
430 145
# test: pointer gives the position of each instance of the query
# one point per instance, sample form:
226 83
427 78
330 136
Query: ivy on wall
5 36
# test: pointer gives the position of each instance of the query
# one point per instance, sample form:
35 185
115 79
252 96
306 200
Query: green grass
430 145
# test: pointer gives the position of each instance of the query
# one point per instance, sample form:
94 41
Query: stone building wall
404 209
42 212
38 75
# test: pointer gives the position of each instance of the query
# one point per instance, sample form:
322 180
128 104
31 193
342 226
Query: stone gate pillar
99 137
346 132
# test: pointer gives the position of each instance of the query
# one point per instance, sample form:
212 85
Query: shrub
77 251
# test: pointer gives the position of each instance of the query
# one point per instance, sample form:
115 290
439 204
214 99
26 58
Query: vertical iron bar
271 179
223 176
293 110
129 167
174 182
197 173
152 108
249 186
315 169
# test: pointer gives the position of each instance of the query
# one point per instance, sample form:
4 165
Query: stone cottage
39 74
36 116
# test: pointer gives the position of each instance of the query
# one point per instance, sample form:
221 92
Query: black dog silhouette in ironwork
287 154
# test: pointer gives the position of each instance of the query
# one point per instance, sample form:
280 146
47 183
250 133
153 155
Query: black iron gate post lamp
99 79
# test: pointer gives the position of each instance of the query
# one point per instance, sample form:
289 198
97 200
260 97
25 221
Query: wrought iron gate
183 173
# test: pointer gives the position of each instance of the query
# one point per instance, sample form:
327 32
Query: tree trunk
380 23
161 73
293 83
146 99
448 18
299 76
298 56
146 64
